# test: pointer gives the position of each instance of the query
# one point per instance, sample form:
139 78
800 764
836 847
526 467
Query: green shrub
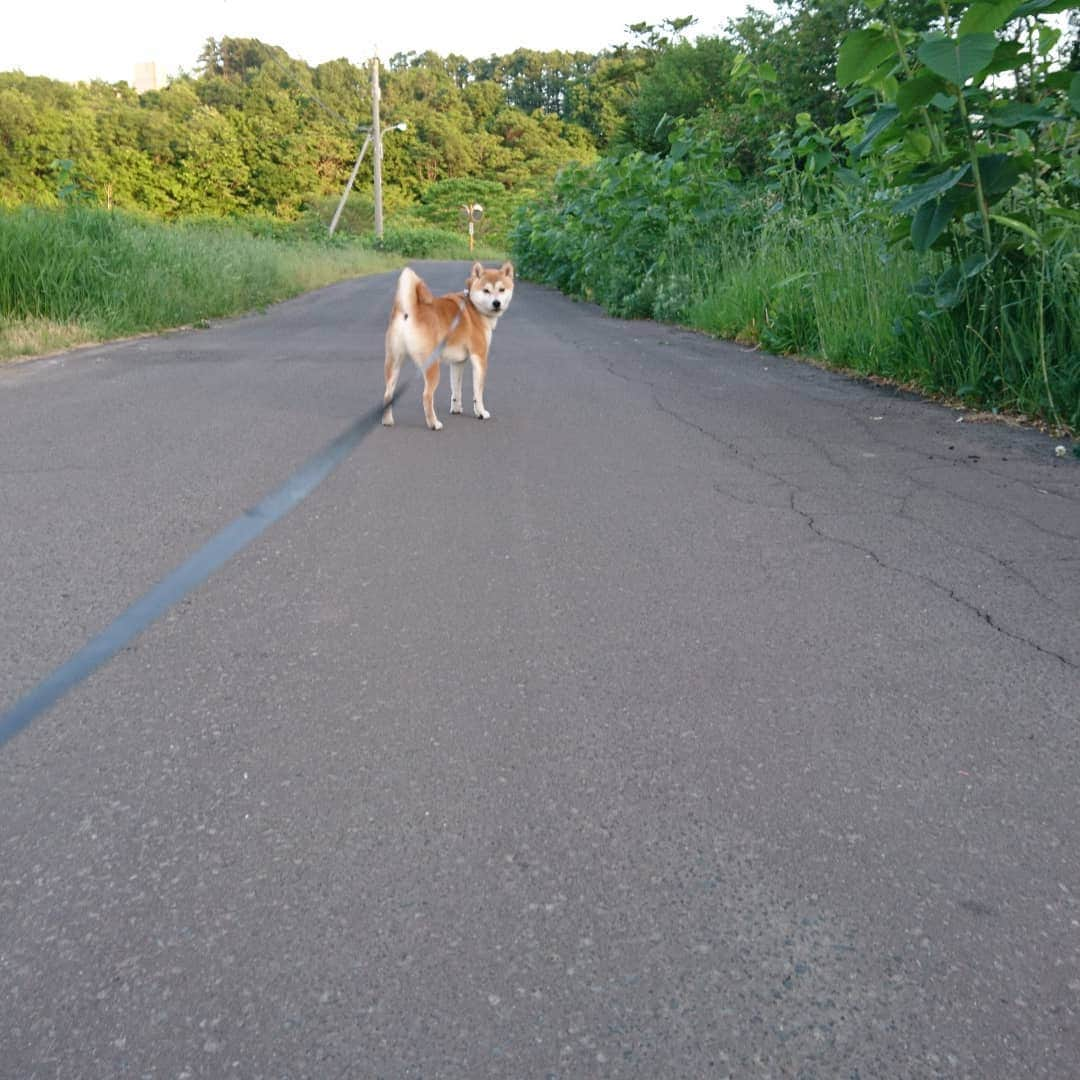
813 269
423 243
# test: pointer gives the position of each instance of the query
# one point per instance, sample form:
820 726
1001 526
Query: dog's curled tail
411 291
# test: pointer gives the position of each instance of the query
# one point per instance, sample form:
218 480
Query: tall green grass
91 274
821 288
817 287
829 285
820 266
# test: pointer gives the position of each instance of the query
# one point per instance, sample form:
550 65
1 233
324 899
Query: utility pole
376 139
373 138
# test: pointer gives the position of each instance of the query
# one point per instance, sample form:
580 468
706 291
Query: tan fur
421 322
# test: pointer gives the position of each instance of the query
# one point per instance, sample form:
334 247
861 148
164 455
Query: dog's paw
437 426
388 419
480 414
455 408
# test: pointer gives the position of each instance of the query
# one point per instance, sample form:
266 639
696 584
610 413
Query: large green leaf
1048 38
917 92
949 287
957 59
1057 80
999 173
866 93
986 17
932 218
974 265
878 123
931 189
918 142
861 52
1043 7
1008 56
1014 113
1074 93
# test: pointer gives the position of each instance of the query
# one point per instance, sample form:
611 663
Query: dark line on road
185 578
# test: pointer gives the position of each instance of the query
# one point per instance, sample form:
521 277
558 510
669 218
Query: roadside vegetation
86 274
122 213
253 133
891 186
82 274
894 189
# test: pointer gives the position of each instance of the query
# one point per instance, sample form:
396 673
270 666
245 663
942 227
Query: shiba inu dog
456 327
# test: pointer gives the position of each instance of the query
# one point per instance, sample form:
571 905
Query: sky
74 40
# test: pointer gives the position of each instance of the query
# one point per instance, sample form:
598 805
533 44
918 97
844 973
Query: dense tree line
254 130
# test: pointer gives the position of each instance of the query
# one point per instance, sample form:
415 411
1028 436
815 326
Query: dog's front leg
457 374
479 372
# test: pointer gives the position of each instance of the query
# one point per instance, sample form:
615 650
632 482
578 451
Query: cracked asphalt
703 714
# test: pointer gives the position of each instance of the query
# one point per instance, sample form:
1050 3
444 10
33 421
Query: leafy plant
73 186
975 131
932 236
965 113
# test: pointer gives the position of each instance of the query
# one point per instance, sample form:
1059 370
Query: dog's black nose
496 304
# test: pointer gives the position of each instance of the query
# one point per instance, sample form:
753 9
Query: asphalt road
702 714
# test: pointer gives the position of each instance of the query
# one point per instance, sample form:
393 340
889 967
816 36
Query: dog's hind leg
394 358
479 373
457 372
431 381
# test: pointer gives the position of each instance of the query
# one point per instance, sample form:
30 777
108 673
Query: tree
684 79
256 130
800 44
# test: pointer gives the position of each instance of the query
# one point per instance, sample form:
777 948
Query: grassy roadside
841 296
835 291
80 275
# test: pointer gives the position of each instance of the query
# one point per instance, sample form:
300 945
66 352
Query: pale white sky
77 40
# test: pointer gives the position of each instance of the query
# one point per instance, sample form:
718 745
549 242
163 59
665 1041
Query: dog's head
491 290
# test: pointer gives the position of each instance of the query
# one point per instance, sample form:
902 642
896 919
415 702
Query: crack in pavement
952 594
948 590
926 485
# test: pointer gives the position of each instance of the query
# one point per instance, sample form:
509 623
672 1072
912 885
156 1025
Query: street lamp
472 212
356 168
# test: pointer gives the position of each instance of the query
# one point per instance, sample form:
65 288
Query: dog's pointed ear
477 270
507 270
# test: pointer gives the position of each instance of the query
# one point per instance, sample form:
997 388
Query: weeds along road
700 715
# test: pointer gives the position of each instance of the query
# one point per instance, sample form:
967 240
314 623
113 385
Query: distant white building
146 77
